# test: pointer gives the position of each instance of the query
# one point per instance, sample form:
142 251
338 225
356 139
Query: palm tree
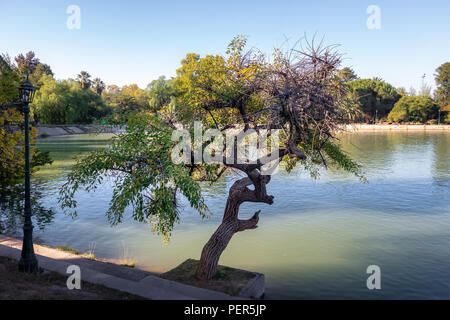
98 86
84 79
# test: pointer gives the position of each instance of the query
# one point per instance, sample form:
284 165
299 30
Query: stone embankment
61 130
398 127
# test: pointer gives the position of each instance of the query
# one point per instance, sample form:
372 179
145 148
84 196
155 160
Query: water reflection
12 202
318 237
441 162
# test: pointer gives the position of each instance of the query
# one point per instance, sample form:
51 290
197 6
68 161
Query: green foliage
11 150
5 63
98 86
67 249
9 84
347 74
125 101
27 64
402 91
200 81
116 118
12 163
64 102
145 176
443 84
110 94
84 79
215 89
160 93
374 95
339 159
37 76
414 109
445 117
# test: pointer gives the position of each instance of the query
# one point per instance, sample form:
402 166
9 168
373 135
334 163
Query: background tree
12 163
64 102
374 96
139 95
98 85
125 100
84 79
442 78
414 109
402 91
26 64
30 65
296 93
5 63
9 81
40 70
347 74
126 103
160 93
110 94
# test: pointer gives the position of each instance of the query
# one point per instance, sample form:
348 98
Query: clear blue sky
126 42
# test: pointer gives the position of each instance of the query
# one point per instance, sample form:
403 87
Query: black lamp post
28 262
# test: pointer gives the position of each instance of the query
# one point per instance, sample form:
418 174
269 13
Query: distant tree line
377 100
86 100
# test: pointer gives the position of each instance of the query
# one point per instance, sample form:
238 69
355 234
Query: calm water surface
315 241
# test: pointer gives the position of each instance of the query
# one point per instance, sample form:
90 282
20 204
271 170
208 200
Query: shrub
414 109
373 96
445 117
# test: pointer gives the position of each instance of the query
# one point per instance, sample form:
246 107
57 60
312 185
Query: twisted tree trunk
231 223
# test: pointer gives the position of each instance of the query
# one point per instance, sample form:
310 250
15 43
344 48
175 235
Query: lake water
317 239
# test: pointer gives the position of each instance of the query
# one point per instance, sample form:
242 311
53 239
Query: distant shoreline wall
398 127
62 130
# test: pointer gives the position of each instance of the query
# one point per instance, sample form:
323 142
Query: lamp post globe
26 92
28 262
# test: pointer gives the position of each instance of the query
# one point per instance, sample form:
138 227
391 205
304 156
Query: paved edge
396 127
255 288
150 287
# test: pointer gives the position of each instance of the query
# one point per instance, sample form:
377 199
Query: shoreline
397 127
134 281
45 131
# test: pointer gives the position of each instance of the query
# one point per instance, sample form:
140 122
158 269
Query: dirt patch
50 286
228 280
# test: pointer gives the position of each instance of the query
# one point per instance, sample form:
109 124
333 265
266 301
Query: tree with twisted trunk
297 93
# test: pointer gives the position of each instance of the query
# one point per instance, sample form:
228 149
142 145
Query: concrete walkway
131 280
